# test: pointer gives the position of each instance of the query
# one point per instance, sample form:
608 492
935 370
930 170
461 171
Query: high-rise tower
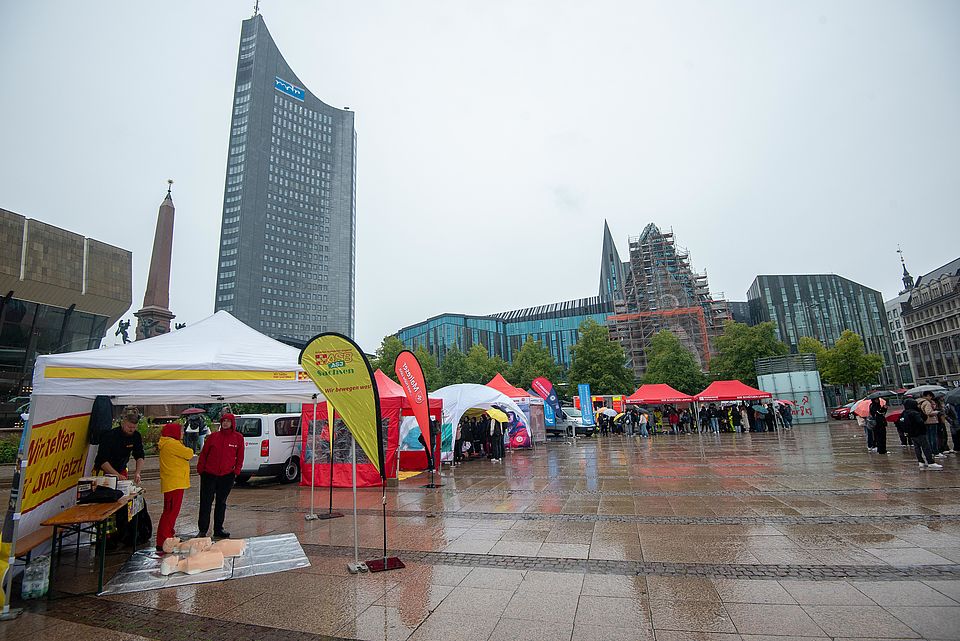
287 241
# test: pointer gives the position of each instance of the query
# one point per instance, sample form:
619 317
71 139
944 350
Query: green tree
531 361
848 363
454 368
386 356
738 348
599 361
431 372
479 366
808 345
668 361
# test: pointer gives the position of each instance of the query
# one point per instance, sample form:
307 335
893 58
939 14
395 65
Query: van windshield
572 412
249 426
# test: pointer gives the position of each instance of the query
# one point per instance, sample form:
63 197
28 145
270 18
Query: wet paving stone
759 536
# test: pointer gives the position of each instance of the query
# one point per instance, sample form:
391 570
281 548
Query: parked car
843 412
573 420
271 446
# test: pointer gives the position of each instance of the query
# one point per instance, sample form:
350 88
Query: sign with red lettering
414 386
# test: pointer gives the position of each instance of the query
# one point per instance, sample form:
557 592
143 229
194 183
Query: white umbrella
608 412
918 391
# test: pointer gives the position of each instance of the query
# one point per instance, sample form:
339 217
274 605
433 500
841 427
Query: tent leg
312 516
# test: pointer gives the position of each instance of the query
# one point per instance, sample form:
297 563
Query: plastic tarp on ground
393 403
218 358
730 391
457 399
656 394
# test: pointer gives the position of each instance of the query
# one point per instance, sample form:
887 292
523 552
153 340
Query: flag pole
331 426
312 516
357 565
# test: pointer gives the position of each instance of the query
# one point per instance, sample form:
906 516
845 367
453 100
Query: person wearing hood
914 425
221 460
174 478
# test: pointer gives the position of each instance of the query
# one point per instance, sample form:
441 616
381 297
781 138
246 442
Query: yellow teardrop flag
339 369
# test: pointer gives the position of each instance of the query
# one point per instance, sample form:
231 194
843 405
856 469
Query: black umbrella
881 394
953 396
917 392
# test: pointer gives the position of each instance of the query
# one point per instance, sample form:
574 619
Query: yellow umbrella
497 415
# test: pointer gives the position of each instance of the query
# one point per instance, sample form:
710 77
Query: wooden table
91 518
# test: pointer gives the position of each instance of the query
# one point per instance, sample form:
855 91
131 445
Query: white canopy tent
457 399
216 358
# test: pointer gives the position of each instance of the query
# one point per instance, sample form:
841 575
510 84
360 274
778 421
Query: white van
271 446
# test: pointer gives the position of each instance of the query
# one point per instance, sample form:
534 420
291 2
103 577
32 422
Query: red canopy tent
393 402
657 394
503 386
730 391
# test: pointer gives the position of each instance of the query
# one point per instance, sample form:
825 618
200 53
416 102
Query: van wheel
243 479
291 471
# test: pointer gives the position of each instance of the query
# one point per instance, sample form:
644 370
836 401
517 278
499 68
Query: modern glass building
59 292
822 306
556 326
287 241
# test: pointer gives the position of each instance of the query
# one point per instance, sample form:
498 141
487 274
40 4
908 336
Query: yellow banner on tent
339 369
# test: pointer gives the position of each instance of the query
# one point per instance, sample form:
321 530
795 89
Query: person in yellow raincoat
174 478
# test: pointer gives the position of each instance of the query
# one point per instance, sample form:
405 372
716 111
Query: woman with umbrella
496 434
878 414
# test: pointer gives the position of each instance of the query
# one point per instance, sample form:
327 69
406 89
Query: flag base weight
432 485
355 568
329 515
382 565
11 614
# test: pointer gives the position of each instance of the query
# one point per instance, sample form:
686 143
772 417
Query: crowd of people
714 418
926 424
478 437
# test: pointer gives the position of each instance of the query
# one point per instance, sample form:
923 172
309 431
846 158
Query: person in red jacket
221 460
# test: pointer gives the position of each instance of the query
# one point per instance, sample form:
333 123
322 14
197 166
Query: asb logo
290 89
334 359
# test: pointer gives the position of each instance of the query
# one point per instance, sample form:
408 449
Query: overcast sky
495 137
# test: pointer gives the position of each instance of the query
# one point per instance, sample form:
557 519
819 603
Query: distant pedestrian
915 425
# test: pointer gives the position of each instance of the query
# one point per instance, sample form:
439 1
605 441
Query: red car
843 412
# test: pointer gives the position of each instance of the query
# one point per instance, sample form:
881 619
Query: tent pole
313 461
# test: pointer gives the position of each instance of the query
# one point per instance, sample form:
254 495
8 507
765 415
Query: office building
822 306
556 326
59 292
661 291
287 242
931 320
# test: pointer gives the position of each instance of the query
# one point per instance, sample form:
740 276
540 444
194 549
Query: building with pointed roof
931 322
288 238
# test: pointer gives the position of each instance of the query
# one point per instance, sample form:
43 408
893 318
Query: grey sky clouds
494 138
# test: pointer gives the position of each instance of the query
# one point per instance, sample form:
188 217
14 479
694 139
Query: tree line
601 362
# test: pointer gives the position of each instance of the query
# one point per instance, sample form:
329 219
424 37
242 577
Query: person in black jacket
878 412
915 426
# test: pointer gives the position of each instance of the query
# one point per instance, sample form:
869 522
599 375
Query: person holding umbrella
928 406
916 426
878 413
496 437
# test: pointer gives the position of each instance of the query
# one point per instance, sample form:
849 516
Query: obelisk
154 317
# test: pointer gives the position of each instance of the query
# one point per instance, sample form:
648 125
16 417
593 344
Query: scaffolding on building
663 292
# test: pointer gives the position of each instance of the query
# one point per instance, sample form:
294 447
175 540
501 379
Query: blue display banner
291 90
586 405
549 418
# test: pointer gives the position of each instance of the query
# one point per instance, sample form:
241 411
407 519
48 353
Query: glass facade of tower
287 244
822 306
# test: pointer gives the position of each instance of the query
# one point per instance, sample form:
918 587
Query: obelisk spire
155 316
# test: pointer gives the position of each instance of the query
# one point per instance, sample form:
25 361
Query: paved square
737 536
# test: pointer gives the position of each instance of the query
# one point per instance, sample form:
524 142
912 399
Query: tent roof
390 390
503 386
658 393
216 358
730 391
457 399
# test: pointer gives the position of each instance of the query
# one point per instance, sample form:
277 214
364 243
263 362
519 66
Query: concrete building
931 320
59 292
822 306
893 308
287 242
